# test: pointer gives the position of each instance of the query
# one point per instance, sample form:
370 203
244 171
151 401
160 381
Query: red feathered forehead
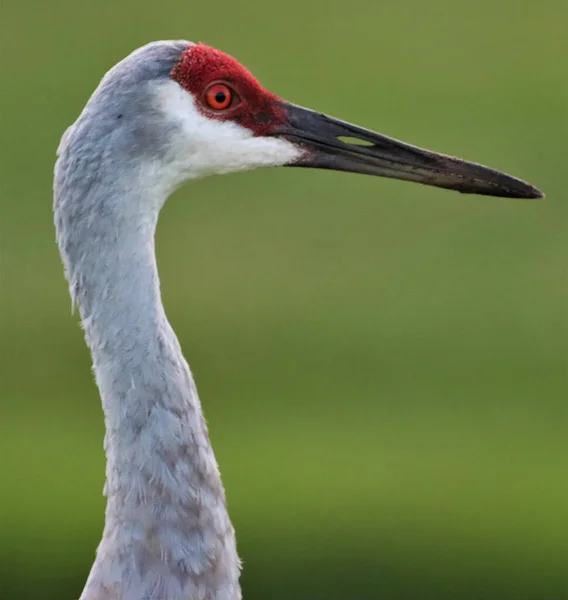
200 65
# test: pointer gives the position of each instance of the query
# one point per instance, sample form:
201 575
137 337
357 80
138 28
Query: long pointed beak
333 144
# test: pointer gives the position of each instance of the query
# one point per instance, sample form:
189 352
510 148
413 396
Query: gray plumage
167 532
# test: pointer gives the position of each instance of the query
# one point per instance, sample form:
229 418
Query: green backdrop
383 365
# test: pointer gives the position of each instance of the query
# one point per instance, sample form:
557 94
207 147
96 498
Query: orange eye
219 96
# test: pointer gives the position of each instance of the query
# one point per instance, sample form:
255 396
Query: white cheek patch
203 146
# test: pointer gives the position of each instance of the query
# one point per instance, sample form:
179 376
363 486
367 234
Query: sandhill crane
169 112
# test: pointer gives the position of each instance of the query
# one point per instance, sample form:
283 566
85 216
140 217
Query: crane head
210 115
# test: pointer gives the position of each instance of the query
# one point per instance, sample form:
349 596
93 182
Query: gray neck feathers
167 532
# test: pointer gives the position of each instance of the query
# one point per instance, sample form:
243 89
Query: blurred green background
383 365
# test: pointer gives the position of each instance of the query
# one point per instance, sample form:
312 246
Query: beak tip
516 188
533 193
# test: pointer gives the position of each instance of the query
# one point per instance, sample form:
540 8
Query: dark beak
333 144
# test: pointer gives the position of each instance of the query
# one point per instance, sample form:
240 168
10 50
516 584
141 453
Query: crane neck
167 531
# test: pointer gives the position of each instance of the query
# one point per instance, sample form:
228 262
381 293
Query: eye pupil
220 97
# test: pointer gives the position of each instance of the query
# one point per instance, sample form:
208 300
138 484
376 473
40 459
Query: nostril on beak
353 141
